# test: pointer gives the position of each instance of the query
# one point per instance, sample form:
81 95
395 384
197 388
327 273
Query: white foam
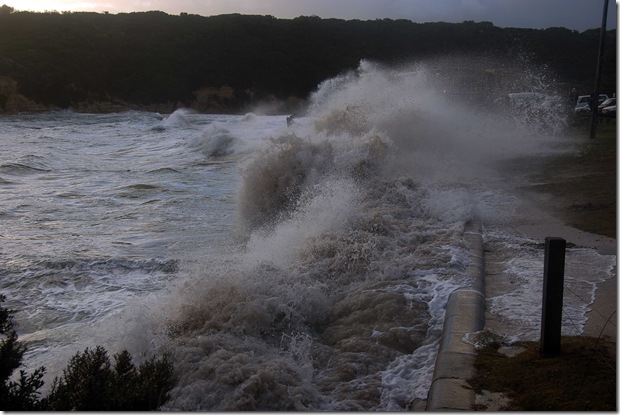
349 225
521 306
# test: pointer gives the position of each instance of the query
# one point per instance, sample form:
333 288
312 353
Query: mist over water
299 267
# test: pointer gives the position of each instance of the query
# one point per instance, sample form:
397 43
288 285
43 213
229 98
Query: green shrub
23 394
88 383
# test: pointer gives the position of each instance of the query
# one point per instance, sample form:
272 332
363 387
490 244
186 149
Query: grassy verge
583 184
582 377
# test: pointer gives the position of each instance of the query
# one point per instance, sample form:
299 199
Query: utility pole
599 66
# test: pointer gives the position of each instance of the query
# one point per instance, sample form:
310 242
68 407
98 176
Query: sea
284 262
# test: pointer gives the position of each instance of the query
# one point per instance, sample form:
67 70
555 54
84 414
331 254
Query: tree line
230 62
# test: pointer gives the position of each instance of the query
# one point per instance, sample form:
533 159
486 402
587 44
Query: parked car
609 111
583 103
608 102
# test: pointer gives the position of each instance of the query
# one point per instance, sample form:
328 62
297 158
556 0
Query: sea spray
320 283
337 246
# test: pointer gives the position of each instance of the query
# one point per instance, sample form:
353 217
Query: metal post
599 66
553 291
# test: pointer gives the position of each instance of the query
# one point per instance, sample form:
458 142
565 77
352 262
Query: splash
216 141
350 227
178 118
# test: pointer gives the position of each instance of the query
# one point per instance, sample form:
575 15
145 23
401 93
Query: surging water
284 267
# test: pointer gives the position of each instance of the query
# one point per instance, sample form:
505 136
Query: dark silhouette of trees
63 59
89 383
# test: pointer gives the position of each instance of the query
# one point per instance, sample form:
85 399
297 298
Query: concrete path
602 319
466 313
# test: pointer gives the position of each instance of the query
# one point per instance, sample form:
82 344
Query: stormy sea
284 262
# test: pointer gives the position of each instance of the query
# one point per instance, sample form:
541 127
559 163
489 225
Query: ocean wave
349 226
21 168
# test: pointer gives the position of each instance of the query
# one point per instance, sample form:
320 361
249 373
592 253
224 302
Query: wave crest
274 180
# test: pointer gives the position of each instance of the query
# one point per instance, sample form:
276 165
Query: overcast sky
573 14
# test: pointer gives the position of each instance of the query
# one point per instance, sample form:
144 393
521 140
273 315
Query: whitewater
299 265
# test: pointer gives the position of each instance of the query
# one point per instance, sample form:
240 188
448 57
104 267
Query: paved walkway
454 364
602 319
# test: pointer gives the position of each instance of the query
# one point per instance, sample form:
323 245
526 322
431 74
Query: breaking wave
349 226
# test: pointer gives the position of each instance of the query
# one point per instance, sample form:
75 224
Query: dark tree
140 59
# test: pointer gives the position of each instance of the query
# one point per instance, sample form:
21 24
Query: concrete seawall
464 314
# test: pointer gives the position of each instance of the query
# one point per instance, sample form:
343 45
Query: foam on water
300 267
86 222
351 226
520 307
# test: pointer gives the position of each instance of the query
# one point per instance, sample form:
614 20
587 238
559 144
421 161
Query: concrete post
553 292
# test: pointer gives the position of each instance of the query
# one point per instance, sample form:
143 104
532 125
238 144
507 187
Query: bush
23 394
89 383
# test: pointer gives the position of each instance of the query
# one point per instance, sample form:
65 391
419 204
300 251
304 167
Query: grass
583 376
583 184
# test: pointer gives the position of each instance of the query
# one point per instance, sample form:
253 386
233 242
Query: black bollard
553 291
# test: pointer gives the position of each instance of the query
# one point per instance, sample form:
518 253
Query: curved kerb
464 314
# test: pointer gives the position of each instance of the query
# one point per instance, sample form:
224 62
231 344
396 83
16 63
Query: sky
577 15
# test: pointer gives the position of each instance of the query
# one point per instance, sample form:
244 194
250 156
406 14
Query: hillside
229 63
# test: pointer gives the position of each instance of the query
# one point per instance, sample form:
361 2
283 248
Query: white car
609 111
583 103
606 103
